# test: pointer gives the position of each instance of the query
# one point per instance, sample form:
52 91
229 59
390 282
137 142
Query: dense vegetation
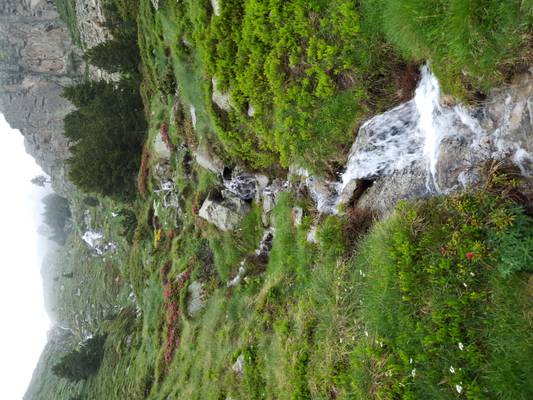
296 92
107 130
432 302
109 125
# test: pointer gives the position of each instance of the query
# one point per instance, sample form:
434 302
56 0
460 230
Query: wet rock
348 191
382 196
226 214
324 193
243 185
206 159
463 140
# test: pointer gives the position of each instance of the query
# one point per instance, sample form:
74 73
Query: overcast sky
24 322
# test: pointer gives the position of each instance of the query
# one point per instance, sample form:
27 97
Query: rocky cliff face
37 59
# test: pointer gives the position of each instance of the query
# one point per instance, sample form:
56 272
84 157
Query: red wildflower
469 256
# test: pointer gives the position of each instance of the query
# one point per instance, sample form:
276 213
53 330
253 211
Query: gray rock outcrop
38 60
226 214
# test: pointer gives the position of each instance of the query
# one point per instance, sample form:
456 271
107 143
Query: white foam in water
393 140
410 132
427 100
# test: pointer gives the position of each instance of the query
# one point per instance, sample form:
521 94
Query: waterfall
427 100
440 140
395 139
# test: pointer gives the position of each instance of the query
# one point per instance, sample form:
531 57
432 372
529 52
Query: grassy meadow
434 301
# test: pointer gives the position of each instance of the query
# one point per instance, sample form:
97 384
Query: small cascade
419 148
443 141
395 139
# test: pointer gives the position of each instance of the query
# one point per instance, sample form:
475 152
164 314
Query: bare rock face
37 59
91 23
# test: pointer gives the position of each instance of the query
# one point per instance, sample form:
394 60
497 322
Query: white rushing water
410 132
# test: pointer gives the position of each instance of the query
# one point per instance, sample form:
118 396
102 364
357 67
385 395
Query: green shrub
80 364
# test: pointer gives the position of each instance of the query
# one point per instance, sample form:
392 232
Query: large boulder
226 213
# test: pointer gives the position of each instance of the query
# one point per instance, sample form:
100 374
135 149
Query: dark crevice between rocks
362 186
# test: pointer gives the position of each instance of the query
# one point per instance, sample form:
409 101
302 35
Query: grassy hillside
433 301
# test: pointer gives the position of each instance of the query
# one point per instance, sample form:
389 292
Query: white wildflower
461 346
459 388
452 369
413 372
410 361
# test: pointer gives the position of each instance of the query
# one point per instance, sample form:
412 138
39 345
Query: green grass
435 301
334 319
302 326
471 45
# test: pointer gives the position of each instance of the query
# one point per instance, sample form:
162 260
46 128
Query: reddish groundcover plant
163 130
171 291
